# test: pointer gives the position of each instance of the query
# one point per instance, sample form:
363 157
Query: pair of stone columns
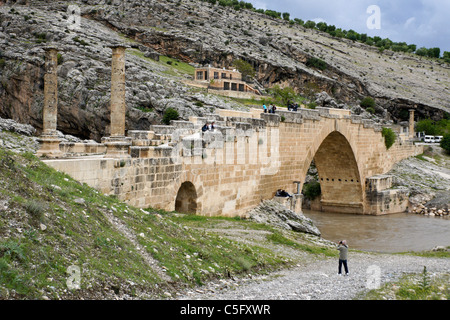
117 144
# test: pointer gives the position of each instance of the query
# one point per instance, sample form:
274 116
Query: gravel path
318 280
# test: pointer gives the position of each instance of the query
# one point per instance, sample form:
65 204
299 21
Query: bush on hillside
367 102
445 143
389 137
169 115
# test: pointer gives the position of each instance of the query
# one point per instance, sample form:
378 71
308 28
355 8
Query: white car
438 139
429 139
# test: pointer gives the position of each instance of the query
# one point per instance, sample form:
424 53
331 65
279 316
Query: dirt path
318 280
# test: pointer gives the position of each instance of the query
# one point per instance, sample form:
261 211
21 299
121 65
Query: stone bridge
244 160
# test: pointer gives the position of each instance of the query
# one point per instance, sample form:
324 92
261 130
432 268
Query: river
388 233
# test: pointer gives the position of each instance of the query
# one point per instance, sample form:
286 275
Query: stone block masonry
246 160
228 171
49 141
117 144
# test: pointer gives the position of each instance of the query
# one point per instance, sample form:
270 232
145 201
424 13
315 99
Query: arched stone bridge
246 159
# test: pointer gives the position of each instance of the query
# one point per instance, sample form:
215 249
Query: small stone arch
186 200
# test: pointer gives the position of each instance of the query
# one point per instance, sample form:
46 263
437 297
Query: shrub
169 115
389 137
35 209
370 110
367 102
245 68
428 126
316 63
311 190
60 58
445 143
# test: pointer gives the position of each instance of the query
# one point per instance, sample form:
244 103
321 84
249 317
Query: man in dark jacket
343 254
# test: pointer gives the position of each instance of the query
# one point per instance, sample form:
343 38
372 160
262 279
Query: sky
425 23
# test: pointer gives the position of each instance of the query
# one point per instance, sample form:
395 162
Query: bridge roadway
246 159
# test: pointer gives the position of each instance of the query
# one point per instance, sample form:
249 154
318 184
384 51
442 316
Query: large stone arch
339 175
186 200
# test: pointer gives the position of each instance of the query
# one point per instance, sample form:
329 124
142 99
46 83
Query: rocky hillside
167 38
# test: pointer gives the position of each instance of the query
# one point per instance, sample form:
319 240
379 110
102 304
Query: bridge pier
49 141
382 199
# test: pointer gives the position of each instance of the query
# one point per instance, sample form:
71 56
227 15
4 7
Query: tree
299 21
322 26
283 95
367 102
311 190
446 56
445 143
423 52
310 24
434 53
286 16
428 126
245 68
169 115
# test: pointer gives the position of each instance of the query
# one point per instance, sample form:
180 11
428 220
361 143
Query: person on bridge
343 255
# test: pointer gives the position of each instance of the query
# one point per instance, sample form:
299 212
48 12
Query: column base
117 147
49 146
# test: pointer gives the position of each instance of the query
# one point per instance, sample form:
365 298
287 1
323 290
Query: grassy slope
49 222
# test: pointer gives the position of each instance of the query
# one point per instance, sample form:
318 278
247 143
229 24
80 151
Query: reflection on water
389 233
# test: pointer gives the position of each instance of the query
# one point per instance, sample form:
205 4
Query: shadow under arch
186 200
339 175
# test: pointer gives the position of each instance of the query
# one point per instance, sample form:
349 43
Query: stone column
411 124
49 141
117 144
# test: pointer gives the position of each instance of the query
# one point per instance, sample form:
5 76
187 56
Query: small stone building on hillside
223 79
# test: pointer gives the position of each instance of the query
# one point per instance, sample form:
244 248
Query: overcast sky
425 23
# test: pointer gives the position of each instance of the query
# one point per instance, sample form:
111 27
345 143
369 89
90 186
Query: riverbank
318 280
51 224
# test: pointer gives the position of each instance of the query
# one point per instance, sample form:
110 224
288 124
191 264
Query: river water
388 233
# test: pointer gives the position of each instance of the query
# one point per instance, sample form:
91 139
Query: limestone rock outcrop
194 32
276 214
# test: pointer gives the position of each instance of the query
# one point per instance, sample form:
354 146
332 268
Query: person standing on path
343 255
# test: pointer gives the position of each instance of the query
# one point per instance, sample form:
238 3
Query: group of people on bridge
272 108
209 126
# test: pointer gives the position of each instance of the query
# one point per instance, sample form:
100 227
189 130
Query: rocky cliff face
194 32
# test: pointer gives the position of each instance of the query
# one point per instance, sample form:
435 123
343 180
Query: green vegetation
60 58
169 115
389 137
413 287
434 128
245 68
284 95
311 190
445 143
50 222
80 41
40 37
367 102
176 65
317 63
